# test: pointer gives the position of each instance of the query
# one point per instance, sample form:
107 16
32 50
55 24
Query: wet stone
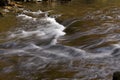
116 75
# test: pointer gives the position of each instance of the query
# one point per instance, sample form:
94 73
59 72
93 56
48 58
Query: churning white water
39 32
45 28
35 43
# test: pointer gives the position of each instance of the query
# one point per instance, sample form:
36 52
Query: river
68 40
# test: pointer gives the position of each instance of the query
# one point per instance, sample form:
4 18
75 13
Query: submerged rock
1 15
116 75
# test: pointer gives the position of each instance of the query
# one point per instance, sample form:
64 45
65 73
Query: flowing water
68 40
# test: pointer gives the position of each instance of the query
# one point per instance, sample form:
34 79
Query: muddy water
81 44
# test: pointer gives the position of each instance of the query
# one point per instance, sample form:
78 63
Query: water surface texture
64 40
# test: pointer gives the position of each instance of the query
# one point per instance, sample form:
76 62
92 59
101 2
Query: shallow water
75 40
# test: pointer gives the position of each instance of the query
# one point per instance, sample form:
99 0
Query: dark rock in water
1 15
116 52
116 75
70 21
64 1
3 2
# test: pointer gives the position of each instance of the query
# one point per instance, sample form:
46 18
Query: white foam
51 31
47 27
116 45
24 34
31 46
97 55
14 51
23 16
34 13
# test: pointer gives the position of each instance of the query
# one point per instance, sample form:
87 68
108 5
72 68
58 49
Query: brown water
90 49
